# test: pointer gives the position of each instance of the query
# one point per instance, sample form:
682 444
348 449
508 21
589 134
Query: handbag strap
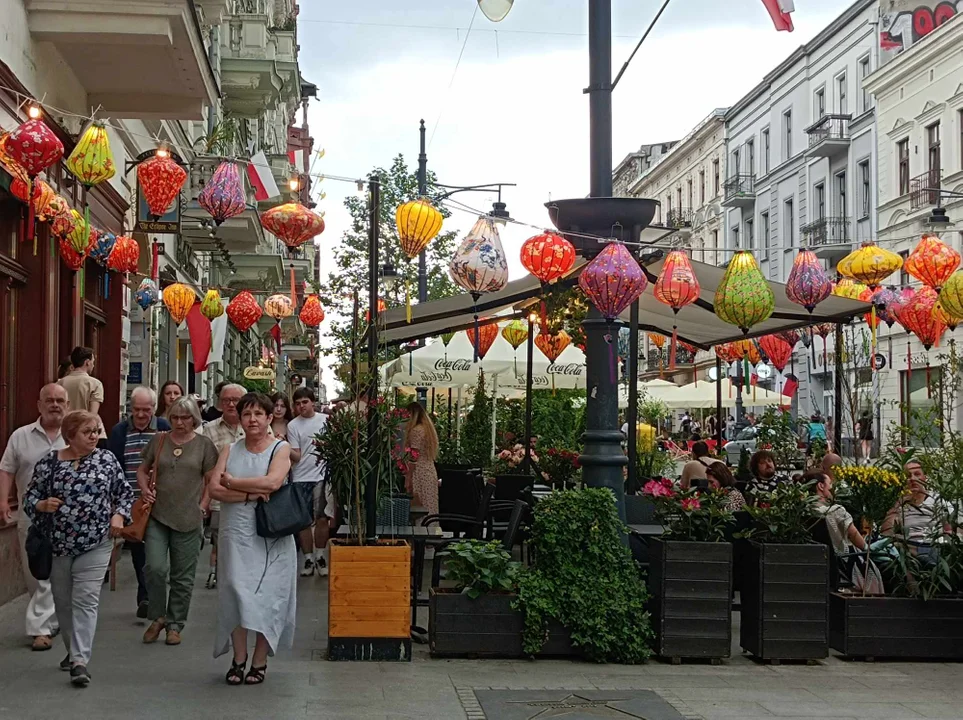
157 454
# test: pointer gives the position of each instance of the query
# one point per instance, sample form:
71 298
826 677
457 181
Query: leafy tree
476 433
399 185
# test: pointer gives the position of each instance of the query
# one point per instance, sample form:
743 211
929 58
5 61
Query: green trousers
171 558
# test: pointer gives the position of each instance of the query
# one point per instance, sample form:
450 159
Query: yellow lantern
91 160
211 306
848 288
418 223
951 295
179 300
870 264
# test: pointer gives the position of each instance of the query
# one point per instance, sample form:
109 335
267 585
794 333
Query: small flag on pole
779 11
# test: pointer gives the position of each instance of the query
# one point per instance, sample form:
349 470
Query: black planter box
485 627
894 627
691 588
785 602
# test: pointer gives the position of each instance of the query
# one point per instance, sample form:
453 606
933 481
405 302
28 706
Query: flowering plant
868 491
559 468
508 460
689 515
785 516
403 457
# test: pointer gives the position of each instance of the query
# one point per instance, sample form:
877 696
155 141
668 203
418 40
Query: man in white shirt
305 468
25 447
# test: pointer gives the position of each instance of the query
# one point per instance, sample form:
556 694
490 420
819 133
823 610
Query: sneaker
153 631
307 569
142 609
211 581
65 663
79 676
321 566
173 637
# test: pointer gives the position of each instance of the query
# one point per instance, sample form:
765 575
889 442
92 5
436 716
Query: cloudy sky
514 110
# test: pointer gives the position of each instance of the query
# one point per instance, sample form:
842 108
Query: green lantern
744 298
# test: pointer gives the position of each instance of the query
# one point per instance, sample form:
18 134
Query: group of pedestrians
78 485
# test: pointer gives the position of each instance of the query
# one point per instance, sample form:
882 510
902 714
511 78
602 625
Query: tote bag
289 510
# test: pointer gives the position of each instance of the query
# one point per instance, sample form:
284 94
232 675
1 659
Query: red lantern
293 224
613 280
919 318
382 308
932 261
125 256
243 311
161 179
34 146
548 256
552 344
487 333
789 336
677 284
778 350
72 259
312 314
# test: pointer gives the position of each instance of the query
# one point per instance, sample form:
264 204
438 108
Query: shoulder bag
39 549
140 512
289 510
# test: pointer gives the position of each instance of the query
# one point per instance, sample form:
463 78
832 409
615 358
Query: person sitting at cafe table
842 530
695 469
762 465
720 478
914 518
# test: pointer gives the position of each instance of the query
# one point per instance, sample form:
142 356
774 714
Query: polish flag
261 178
779 11
199 328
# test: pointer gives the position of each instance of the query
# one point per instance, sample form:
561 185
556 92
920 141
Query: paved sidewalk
132 680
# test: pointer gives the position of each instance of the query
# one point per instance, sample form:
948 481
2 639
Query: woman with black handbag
257 575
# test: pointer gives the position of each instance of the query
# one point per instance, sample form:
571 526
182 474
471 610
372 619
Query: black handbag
39 549
289 510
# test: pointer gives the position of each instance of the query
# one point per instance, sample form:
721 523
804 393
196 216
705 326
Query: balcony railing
679 218
924 189
739 187
827 231
252 7
829 127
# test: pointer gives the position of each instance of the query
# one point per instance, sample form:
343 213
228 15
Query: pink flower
414 454
691 504
666 482
656 489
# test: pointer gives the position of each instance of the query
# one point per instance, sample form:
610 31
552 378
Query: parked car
748 438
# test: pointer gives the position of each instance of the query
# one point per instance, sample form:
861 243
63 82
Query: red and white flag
779 11
261 178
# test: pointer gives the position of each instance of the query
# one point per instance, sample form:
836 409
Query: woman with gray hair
173 477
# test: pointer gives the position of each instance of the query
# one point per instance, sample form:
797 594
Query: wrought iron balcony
924 189
679 218
829 136
740 191
828 237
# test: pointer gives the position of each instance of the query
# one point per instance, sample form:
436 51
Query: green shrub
477 567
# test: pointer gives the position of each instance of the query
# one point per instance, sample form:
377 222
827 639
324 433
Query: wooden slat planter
485 627
893 627
369 601
691 588
785 602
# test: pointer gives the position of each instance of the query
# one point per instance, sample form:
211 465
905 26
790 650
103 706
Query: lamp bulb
33 112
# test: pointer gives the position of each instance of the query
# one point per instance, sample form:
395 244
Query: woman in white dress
257 577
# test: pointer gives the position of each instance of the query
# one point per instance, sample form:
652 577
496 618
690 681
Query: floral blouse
92 493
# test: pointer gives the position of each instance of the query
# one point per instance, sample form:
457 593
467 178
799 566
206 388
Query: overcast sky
515 111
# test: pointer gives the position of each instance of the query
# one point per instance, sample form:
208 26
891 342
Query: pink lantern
613 280
223 196
808 284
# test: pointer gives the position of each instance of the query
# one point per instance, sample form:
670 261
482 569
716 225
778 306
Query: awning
702 396
696 323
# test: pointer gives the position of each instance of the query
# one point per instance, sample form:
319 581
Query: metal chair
476 527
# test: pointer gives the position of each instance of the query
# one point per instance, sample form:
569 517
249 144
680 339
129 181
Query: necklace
178 448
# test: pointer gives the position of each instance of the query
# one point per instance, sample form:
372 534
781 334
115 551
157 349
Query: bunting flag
779 11
199 328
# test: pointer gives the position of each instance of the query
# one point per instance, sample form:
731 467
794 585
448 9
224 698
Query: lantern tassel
106 285
745 370
476 337
155 250
294 294
909 366
31 234
929 392
872 332
672 347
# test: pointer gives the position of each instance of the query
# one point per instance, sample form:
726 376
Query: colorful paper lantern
293 224
418 222
778 350
885 300
211 306
487 332
312 314
725 352
146 294
657 340
552 344
904 296
223 195
125 256
72 259
446 338
91 160
677 284
744 298
102 243
34 146
869 264
823 330
45 201
179 299
849 288
918 317
243 311
951 294
478 265
951 321
808 285
161 179
515 333
382 308
73 227
747 349
789 336
613 280
279 307
932 262
692 349
548 256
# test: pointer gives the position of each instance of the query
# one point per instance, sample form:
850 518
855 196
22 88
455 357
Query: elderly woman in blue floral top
79 496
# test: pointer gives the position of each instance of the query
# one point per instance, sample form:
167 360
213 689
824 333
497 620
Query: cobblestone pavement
133 680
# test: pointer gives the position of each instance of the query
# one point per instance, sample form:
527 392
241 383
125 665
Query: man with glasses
127 441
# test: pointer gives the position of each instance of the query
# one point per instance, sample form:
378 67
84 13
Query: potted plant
785 592
559 468
690 573
369 583
474 617
584 593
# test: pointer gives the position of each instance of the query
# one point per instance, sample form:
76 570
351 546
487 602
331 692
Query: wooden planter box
369 601
785 602
691 588
485 627
871 627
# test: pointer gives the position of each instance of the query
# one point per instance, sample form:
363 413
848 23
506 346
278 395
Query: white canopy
702 395
657 389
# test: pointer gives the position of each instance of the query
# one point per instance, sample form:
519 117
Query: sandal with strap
235 676
255 676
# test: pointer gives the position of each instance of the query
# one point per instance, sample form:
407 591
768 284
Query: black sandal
255 676
235 676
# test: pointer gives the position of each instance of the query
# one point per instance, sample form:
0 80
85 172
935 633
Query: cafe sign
258 373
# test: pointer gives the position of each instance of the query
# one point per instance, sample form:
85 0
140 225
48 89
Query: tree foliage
476 433
399 185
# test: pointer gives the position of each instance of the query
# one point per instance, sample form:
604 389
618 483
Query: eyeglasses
230 401
92 432
181 418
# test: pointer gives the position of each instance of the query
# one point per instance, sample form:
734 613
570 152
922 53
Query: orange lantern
552 344
312 314
918 317
243 311
548 256
777 349
657 340
487 332
125 256
179 299
161 179
932 262
293 224
382 308
677 284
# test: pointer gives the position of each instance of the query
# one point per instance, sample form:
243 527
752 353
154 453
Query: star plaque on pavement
575 705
